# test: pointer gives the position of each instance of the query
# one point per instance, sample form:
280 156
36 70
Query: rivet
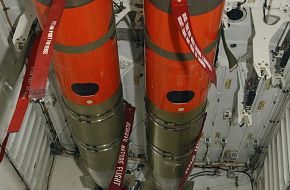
89 101
180 109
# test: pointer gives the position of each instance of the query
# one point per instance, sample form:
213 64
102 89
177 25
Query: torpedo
177 83
85 60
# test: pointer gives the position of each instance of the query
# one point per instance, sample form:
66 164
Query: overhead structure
176 85
85 61
195 129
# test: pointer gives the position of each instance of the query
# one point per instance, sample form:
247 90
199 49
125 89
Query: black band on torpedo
90 46
176 56
196 7
69 3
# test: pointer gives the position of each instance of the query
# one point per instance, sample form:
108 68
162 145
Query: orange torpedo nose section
85 50
170 65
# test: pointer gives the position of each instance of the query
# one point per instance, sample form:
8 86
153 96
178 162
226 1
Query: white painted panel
276 165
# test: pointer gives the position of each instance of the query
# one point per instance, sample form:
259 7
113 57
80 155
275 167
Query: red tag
117 182
23 100
44 53
180 11
190 164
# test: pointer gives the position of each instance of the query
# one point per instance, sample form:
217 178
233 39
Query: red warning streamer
117 182
180 10
23 100
190 164
44 53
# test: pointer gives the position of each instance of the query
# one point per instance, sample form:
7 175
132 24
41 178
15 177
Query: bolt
180 109
89 101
